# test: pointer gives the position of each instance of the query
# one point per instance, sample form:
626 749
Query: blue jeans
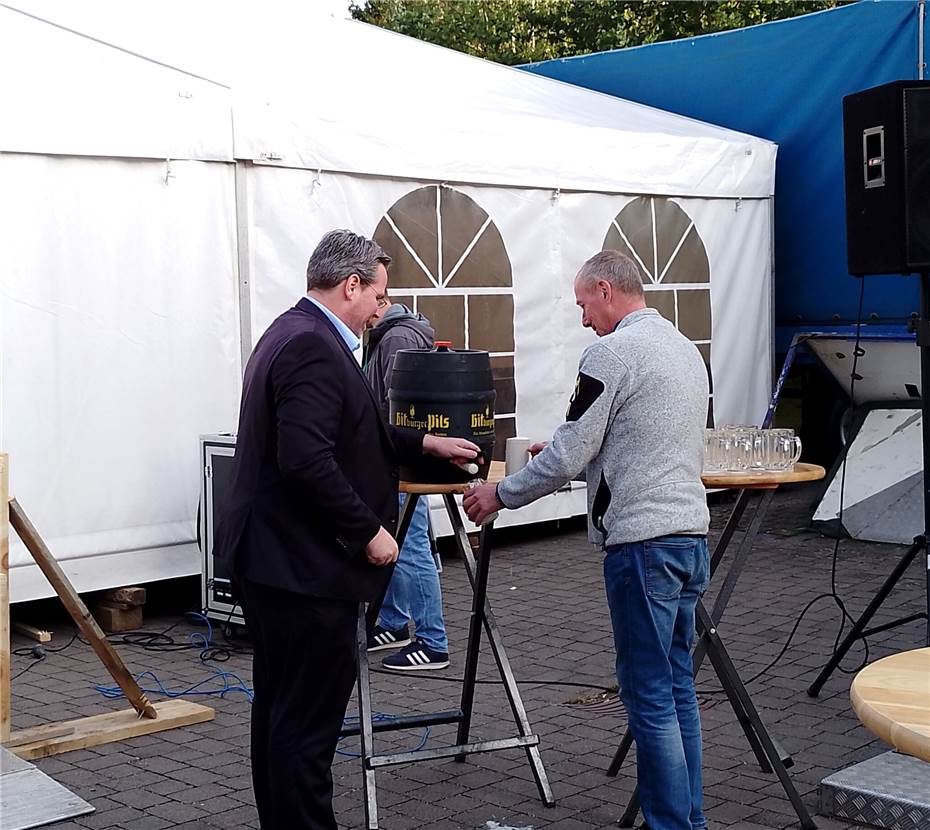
414 592
652 589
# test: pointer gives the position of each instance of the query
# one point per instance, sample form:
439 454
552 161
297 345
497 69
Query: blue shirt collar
345 332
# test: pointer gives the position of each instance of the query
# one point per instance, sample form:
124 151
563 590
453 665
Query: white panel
67 94
547 237
886 368
108 570
885 451
344 96
738 239
118 344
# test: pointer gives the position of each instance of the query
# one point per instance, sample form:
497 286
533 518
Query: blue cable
379 717
196 638
113 692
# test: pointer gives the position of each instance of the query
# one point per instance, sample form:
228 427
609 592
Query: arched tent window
449 262
663 240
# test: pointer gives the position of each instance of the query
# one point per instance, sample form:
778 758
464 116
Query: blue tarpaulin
783 81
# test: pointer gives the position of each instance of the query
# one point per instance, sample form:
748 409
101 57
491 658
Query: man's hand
382 550
457 450
481 502
537 448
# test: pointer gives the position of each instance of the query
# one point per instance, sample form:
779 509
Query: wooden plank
78 610
37 634
30 744
111 617
129 596
44 732
5 688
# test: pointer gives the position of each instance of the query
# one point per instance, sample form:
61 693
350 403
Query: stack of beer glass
747 449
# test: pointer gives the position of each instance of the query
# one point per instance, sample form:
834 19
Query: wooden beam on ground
37 634
5 685
43 741
78 610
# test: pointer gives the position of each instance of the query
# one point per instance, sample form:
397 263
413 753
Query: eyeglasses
381 299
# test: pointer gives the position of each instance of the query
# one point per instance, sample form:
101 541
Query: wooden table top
749 481
765 480
495 474
892 699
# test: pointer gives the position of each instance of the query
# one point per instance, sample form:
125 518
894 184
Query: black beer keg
444 391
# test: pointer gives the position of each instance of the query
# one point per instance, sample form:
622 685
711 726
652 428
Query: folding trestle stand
476 567
770 756
920 545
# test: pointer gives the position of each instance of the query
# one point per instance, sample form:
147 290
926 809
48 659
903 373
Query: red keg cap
443 344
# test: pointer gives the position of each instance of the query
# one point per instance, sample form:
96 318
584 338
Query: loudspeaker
887 150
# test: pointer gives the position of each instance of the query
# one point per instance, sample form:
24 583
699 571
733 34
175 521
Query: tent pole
6 691
921 17
244 251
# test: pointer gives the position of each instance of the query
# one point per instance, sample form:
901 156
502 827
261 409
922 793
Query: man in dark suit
309 521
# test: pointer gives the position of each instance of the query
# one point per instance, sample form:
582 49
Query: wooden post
78 611
52 738
5 685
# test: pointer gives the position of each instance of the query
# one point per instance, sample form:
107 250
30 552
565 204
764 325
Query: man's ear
350 286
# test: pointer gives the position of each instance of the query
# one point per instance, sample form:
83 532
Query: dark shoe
416 657
380 638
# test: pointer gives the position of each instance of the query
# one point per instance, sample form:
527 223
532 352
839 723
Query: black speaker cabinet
887 148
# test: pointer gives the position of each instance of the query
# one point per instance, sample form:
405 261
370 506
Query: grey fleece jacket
399 329
636 422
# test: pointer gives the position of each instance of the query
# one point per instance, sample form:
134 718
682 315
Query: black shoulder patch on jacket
587 391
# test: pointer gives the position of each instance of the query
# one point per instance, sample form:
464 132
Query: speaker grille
917 177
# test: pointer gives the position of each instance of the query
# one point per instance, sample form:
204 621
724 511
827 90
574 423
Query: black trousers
303 673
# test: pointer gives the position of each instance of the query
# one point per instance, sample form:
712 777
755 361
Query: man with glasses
309 521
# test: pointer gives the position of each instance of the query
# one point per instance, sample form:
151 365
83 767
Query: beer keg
448 392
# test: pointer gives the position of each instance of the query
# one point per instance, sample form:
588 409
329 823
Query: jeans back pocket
669 562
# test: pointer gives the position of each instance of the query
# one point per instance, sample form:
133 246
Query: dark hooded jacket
399 329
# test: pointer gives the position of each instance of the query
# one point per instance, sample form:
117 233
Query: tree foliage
522 31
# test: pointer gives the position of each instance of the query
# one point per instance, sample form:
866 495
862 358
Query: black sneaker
416 657
380 638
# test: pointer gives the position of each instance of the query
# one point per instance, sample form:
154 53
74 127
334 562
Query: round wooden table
892 699
764 480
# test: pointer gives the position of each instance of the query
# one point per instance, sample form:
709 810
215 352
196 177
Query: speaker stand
923 343
859 630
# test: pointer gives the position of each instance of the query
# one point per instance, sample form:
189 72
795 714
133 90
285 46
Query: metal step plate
890 790
29 798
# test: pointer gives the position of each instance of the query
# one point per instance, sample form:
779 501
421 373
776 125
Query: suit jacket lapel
307 307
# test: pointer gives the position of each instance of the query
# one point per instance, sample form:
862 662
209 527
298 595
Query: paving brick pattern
547 593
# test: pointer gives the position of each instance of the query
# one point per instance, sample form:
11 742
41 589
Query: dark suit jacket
316 467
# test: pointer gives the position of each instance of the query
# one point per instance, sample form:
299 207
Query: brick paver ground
547 593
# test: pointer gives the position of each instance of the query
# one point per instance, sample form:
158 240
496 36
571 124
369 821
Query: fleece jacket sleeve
600 389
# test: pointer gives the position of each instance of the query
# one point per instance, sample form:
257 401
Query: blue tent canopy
783 81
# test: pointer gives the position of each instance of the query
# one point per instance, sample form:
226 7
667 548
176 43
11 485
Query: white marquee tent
163 180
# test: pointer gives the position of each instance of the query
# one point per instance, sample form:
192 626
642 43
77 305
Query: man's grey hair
615 267
343 253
